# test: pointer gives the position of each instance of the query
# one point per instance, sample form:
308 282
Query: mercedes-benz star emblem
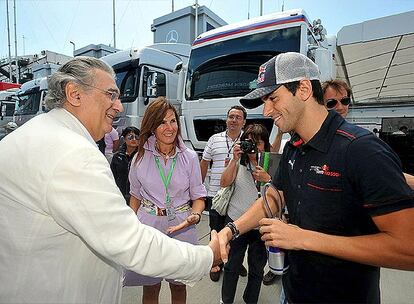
172 37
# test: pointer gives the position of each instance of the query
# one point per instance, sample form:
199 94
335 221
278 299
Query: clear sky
51 24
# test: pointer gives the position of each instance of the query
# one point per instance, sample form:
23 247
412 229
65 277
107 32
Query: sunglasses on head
132 137
331 103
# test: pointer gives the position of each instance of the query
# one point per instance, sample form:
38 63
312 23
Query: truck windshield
28 103
127 80
229 68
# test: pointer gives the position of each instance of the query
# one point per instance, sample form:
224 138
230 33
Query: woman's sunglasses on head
331 103
132 137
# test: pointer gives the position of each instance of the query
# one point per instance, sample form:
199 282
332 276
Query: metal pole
24 49
248 9
15 45
261 7
113 15
172 5
196 20
73 43
8 39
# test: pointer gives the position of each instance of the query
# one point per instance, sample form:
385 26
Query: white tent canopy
378 58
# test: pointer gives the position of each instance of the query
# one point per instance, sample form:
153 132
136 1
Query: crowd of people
76 225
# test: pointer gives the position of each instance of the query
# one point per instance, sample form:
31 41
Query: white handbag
221 200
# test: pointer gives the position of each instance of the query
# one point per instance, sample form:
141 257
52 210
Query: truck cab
143 74
7 108
224 63
30 100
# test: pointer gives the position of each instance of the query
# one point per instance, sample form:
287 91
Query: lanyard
166 181
234 142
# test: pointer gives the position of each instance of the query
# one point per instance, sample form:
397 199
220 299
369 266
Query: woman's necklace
168 154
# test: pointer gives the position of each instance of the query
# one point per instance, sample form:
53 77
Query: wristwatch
234 231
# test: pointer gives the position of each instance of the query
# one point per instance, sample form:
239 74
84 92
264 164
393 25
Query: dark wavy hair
257 132
293 86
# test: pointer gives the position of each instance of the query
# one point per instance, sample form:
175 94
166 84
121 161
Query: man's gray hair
79 70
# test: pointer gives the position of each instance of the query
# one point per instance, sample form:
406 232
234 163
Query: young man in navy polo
350 208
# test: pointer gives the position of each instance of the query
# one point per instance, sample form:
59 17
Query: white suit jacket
65 230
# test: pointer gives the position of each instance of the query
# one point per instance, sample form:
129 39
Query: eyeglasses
113 95
236 117
331 103
132 137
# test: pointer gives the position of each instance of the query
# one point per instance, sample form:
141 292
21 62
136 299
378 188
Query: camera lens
248 146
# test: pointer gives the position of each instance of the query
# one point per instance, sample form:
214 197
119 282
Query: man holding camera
217 155
343 214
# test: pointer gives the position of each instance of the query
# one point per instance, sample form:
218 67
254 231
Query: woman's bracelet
199 216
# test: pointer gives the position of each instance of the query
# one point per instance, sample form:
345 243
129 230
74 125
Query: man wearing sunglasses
337 96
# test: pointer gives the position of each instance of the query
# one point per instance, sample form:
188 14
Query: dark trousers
216 221
256 260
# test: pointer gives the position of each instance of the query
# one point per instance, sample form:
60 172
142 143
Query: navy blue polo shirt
334 184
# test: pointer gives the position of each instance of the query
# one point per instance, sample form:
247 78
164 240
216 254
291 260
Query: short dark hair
130 129
240 108
293 86
337 85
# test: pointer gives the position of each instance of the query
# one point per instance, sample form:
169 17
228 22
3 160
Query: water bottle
276 260
278 264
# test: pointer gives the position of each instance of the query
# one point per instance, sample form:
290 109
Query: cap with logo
283 68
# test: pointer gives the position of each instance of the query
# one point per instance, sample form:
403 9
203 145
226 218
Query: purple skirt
161 223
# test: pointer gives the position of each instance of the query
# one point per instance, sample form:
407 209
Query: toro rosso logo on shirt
324 170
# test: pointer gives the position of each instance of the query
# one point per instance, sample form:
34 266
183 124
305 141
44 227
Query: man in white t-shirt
217 154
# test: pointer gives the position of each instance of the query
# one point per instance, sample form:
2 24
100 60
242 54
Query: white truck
7 108
224 63
142 74
30 100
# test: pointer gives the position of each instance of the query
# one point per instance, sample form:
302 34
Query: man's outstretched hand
215 246
224 237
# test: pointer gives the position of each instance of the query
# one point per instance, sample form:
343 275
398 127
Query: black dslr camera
247 146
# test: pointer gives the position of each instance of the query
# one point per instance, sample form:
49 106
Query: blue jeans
256 260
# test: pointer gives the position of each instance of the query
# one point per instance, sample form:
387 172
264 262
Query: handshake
275 233
219 243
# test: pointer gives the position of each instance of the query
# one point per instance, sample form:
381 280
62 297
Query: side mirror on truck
155 85
3 110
